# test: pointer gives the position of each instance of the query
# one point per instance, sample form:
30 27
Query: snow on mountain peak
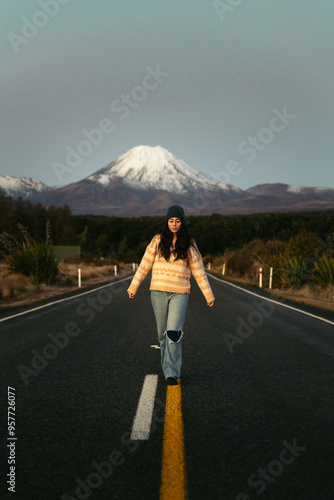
294 189
21 185
155 167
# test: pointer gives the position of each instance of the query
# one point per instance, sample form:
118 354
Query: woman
173 256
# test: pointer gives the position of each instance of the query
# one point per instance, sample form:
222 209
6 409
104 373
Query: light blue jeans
170 310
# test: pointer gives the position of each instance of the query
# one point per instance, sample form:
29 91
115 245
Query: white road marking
277 302
143 419
49 304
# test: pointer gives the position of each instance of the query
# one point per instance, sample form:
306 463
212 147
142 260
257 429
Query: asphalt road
257 399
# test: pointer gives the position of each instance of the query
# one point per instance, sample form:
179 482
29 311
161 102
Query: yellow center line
173 474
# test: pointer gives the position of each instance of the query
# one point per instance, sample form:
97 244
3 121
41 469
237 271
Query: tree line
125 238
34 217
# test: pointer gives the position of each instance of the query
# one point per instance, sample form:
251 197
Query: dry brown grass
313 296
19 290
89 273
310 295
16 289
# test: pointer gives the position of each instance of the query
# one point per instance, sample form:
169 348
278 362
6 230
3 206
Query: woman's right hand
131 295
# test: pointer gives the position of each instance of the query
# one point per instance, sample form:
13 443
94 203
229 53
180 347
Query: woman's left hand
210 304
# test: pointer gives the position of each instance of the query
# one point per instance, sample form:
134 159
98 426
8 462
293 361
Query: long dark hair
183 242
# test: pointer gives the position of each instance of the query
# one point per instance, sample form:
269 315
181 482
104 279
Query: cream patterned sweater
173 275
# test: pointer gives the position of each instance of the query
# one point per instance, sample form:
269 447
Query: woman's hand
210 304
131 295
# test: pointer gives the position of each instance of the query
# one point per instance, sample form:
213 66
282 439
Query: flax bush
29 257
324 271
292 271
294 262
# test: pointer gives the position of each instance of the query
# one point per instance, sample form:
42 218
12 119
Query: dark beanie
176 211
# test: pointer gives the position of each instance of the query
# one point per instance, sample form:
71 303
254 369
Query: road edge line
49 304
273 301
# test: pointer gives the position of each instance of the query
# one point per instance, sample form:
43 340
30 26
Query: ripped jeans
170 310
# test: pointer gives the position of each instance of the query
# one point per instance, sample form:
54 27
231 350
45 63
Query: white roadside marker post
271 279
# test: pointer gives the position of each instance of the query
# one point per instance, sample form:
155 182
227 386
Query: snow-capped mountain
25 187
288 191
156 168
146 180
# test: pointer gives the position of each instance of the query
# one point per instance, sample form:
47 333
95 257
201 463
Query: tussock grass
88 272
15 286
310 293
18 289
317 296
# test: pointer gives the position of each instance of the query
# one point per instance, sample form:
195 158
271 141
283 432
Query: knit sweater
173 275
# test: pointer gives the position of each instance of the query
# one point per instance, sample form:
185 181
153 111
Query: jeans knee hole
174 336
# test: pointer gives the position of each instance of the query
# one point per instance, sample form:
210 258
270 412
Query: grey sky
228 69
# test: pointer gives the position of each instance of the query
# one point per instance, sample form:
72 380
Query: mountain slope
281 197
25 187
146 180
287 191
156 168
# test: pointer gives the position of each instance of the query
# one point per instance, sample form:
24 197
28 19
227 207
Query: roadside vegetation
16 288
298 246
302 267
30 258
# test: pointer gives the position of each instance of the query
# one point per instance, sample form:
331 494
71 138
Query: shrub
294 262
269 251
324 271
291 271
30 258
304 245
243 261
